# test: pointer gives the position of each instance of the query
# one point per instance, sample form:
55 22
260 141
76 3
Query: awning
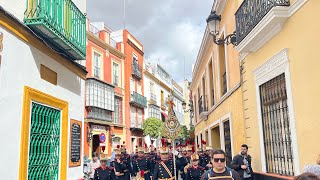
164 114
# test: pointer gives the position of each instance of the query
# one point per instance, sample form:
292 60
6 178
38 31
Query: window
115 74
154 111
117 111
96 65
99 95
139 90
227 142
44 143
223 71
162 98
133 116
134 59
139 118
132 88
211 82
276 126
152 87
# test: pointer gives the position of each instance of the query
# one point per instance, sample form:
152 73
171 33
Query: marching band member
195 171
104 172
141 166
206 162
119 166
125 158
164 170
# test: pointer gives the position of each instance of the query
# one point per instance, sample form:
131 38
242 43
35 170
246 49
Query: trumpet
185 169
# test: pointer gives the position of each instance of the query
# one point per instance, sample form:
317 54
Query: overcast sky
170 30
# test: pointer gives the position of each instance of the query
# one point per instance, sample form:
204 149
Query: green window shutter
44 143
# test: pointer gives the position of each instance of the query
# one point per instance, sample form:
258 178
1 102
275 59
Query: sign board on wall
75 143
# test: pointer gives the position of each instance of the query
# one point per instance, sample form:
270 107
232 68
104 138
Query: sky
171 31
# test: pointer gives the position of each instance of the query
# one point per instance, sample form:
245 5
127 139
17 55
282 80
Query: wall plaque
75 143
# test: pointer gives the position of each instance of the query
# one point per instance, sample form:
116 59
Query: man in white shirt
94 164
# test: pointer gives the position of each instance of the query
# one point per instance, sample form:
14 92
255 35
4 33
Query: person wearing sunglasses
219 170
195 171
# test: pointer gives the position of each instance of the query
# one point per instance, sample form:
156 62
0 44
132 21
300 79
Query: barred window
276 126
115 74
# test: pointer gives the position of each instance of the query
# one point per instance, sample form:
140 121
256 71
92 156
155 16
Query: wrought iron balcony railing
251 12
202 102
136 71
60 23
98 113
138 100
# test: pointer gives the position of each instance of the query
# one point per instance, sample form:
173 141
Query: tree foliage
152 127
184 133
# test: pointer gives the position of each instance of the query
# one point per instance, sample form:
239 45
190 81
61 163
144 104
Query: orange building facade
104 93
134 100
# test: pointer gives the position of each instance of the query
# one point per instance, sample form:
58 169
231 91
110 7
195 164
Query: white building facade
41 92
157 87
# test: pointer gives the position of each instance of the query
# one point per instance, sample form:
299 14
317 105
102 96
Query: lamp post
213 22
184 104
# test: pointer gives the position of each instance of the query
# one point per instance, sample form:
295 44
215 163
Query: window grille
44 143
99 94
227 142
276 126
116 111
96 65
115 74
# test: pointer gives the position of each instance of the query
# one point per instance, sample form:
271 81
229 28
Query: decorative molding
272 68
135 47
267 28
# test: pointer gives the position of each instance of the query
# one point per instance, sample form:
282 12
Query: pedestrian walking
93 165
313 168
242 164
307 176
104 172
219 170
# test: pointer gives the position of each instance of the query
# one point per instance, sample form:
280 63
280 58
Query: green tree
152 127
184 134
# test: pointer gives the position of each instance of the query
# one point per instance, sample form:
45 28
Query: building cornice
105 46
151 76
219 6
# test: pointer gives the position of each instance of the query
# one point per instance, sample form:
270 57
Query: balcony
99 99
60 24
259 18
153 99
136 71
203 107
138 100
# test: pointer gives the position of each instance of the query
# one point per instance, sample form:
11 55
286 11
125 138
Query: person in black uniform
126 159
182 161
119 166
195 171
141 166
104 172
164 170
206 161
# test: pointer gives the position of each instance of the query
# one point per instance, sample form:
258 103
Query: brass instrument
185 169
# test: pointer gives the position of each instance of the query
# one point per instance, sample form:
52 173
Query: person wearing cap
195 171
206 161
164 170
182 161
104 172
119 166
126 159
141 166
94 164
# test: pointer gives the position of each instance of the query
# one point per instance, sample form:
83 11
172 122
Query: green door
44 143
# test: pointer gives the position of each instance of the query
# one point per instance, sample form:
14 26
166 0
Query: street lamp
213 22
89 134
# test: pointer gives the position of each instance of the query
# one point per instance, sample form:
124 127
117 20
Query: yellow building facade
216 89
280 88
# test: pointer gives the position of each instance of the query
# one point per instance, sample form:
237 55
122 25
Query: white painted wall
21 67
18 7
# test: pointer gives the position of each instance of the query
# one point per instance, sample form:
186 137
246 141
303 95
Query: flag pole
174 158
